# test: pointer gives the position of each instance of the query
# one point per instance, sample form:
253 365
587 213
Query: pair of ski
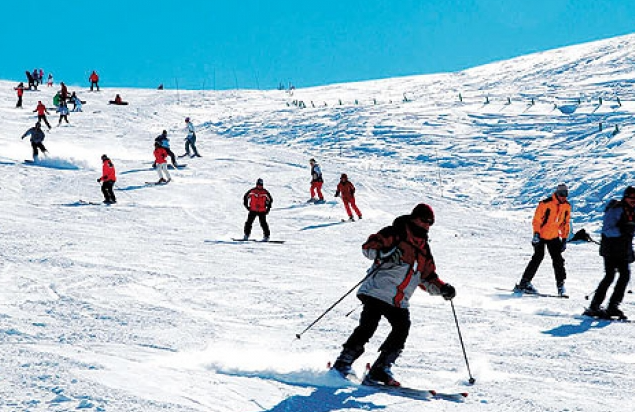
538 294
414 393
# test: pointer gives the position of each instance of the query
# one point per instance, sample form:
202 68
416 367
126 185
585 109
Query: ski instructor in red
402 262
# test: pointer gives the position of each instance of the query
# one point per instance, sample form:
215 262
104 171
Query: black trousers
37 146
372 313
19 103
262 217
554 246
106 189
42 118
612 265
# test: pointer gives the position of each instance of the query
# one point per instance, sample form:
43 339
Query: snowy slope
149 306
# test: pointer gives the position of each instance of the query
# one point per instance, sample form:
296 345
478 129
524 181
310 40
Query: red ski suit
346 190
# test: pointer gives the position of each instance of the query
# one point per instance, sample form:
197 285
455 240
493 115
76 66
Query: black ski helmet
629 192
104 157
259 182
423 212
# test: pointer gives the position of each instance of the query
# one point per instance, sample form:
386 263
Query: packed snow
148 305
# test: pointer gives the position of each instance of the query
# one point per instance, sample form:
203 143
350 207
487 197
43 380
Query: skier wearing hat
316 182
551 228
107 180
258 202
346 189
37 139
616 248
402 261
190 140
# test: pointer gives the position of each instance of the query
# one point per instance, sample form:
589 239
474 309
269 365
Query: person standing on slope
20 92
190 140
41 113
258 202
551 228
37 139
164 142
402 262
160 156
616 247
316 182
63 110
107 180
94 80
346 190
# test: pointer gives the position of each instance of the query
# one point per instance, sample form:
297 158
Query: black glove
448 292
535 240
99 180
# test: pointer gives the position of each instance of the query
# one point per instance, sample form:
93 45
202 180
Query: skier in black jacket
616 247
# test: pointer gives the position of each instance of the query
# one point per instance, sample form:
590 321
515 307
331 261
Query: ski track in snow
147 305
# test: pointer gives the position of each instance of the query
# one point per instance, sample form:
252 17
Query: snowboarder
63 111
190 140
164 142
346 189
118 101
160 154
402 261
94 80
258 202
49 82
616 248
551 228
316 182
107 180
37 137
20 93
41 113
77 103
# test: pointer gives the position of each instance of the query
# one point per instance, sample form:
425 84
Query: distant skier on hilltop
94 80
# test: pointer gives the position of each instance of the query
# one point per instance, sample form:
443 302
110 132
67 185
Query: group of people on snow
551 225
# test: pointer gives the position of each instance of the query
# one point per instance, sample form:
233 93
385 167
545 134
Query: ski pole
590 294
372 272
456 320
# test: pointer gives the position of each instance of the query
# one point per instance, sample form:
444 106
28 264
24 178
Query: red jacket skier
346 190
94 80
108 179
258 202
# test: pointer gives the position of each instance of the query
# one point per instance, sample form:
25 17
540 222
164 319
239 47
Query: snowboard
259 241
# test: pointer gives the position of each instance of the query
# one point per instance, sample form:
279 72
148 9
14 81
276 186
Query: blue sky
258 44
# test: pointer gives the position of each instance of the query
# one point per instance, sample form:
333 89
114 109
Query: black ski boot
525 287
344 363
595 311
380 373
614 312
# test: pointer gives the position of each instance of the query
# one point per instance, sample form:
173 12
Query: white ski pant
162 170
